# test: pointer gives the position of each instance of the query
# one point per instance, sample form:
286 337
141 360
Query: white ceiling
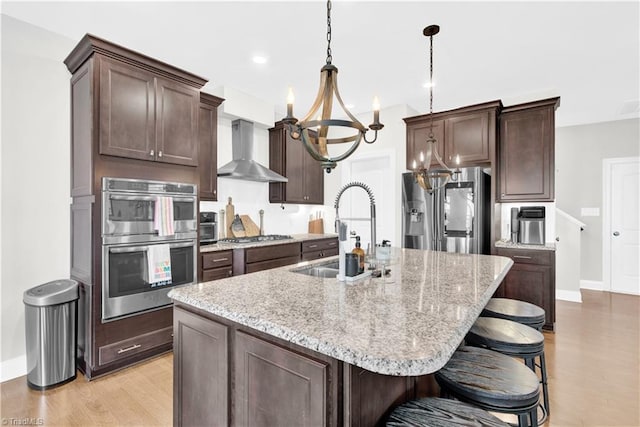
585 52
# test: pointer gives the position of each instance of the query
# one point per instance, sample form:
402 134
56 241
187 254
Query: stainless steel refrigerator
454 218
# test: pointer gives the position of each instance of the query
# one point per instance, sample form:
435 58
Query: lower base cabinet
226 374
266 375
200 376
531 279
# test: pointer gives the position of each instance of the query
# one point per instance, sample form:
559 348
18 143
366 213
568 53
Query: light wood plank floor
593 361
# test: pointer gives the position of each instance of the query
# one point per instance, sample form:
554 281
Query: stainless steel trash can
50 325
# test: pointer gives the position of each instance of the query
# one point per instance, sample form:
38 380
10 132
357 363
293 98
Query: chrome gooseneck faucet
372 219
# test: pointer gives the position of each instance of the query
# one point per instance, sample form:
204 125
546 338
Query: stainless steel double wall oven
128 233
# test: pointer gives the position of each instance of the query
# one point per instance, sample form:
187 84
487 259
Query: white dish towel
163 216
159 263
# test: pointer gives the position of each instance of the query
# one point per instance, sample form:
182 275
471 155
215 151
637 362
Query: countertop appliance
531 225
208 228
453 218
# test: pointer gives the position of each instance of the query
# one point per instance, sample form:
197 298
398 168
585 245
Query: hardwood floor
593 361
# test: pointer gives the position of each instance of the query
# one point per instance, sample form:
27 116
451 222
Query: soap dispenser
360 252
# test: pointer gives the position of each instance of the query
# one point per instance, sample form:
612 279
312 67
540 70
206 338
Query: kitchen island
279 347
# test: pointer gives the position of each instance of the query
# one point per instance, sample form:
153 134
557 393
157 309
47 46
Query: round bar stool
436 412
516 340
493 382
518 311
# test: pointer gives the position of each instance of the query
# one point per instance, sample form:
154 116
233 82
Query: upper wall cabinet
289 158
526 152
147 110
208 150
468 132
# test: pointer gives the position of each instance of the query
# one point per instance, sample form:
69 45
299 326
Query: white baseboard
573 296
594 285
13 368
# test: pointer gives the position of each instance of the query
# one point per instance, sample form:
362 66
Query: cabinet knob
502 194
159 153
151 153
616 233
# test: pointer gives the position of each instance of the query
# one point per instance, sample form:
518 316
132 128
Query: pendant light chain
431 85
329 58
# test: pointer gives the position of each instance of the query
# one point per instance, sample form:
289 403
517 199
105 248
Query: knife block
316 226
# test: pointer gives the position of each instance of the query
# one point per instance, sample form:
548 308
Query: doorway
621 225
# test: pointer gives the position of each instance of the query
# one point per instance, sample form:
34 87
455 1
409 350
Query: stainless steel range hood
243 166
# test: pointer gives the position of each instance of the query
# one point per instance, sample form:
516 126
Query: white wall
579 154
35 150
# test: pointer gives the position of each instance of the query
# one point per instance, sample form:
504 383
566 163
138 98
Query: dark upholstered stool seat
492 381
435 412
513 339
518 311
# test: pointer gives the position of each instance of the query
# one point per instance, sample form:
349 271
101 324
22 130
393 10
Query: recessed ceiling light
259 59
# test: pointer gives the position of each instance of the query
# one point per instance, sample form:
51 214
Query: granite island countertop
408 324
222 246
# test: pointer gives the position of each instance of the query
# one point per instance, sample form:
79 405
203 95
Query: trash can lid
52 293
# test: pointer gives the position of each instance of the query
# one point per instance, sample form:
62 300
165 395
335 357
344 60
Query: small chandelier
427 177
316 142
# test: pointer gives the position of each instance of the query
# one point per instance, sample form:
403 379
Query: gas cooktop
265 238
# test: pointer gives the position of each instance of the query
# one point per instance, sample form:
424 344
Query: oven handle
150 198
145 248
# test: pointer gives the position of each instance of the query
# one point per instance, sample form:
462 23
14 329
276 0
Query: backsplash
249 197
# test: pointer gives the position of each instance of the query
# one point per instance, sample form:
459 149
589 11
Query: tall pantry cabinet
131 117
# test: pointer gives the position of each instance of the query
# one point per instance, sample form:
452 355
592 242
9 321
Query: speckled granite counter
406 325
509 245
295 238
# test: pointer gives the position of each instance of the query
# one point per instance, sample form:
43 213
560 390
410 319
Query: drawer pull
133 347
313 246
521 257
221 259
333 243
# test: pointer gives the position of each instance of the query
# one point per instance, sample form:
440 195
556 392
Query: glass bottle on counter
361 255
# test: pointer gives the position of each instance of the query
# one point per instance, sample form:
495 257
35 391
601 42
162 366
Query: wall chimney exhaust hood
243 166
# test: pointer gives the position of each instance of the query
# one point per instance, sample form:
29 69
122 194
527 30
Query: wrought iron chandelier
318 120
428 177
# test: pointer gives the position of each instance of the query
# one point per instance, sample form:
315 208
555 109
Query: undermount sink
327 270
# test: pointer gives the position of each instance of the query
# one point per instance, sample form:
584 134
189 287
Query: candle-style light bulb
421 157
415 166
457 159
290 99
376 110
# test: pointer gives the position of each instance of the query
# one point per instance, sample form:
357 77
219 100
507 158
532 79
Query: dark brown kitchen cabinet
208 141
320 248
417 135
266 374
526 152
131 117
200 352
289 158
146 117
468 136
250 260
469 132
216 265
531 279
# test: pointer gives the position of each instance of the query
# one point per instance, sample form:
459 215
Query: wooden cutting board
250 227
237 228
